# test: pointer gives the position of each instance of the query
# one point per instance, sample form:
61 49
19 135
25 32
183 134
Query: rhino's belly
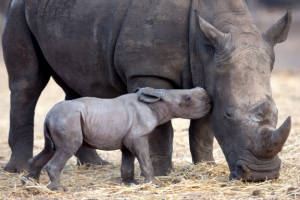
104 141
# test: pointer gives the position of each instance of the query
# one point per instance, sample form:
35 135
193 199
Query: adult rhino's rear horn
270 142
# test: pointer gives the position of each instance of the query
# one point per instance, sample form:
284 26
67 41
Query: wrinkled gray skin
108 48
90 121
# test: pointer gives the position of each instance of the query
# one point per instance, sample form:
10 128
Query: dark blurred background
265 13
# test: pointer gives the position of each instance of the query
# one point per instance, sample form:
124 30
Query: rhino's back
95 47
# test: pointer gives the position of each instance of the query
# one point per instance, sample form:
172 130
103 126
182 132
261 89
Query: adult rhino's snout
268 141
261 162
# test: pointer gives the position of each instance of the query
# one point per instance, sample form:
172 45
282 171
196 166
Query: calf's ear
146 98
278 32
149 95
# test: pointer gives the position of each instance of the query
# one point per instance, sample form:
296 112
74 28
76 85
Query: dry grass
187 181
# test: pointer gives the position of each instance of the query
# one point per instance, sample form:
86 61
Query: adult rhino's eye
229 113
188 98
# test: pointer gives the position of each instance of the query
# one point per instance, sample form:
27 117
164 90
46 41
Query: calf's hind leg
55 166
67 141
85 155
64 151
37 163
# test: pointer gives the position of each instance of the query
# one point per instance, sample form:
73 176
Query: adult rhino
108 48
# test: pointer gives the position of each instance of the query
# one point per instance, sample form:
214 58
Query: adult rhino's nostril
264 111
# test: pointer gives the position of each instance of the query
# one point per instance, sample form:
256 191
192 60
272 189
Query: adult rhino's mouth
256 171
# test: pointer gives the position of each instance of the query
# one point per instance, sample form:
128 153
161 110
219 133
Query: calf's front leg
141 150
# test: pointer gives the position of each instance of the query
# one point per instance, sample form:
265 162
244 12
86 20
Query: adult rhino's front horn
269 141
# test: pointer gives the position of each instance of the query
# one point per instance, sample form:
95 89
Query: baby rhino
109 124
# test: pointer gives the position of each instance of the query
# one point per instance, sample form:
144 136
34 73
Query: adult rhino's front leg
201 140
161 139
161 148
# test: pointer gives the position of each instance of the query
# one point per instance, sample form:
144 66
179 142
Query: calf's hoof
28 178
129 183
155 182
57 187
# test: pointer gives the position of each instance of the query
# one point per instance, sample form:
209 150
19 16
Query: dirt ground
187 181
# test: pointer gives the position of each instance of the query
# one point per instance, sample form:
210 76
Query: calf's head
244 115
189 104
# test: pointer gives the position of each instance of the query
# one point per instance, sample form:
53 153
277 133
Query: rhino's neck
161 111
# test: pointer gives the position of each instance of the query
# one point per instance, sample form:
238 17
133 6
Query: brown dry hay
187 181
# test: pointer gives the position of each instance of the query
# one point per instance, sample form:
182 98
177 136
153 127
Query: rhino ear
278 32
149 95
148 98
215 36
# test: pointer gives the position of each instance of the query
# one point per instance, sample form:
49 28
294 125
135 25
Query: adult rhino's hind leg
201 140
28 74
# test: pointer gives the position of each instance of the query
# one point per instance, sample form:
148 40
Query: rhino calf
109 124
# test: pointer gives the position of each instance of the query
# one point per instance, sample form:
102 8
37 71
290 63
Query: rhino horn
272 141
278 32
215 36
280 135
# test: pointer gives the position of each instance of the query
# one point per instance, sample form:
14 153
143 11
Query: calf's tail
47 135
